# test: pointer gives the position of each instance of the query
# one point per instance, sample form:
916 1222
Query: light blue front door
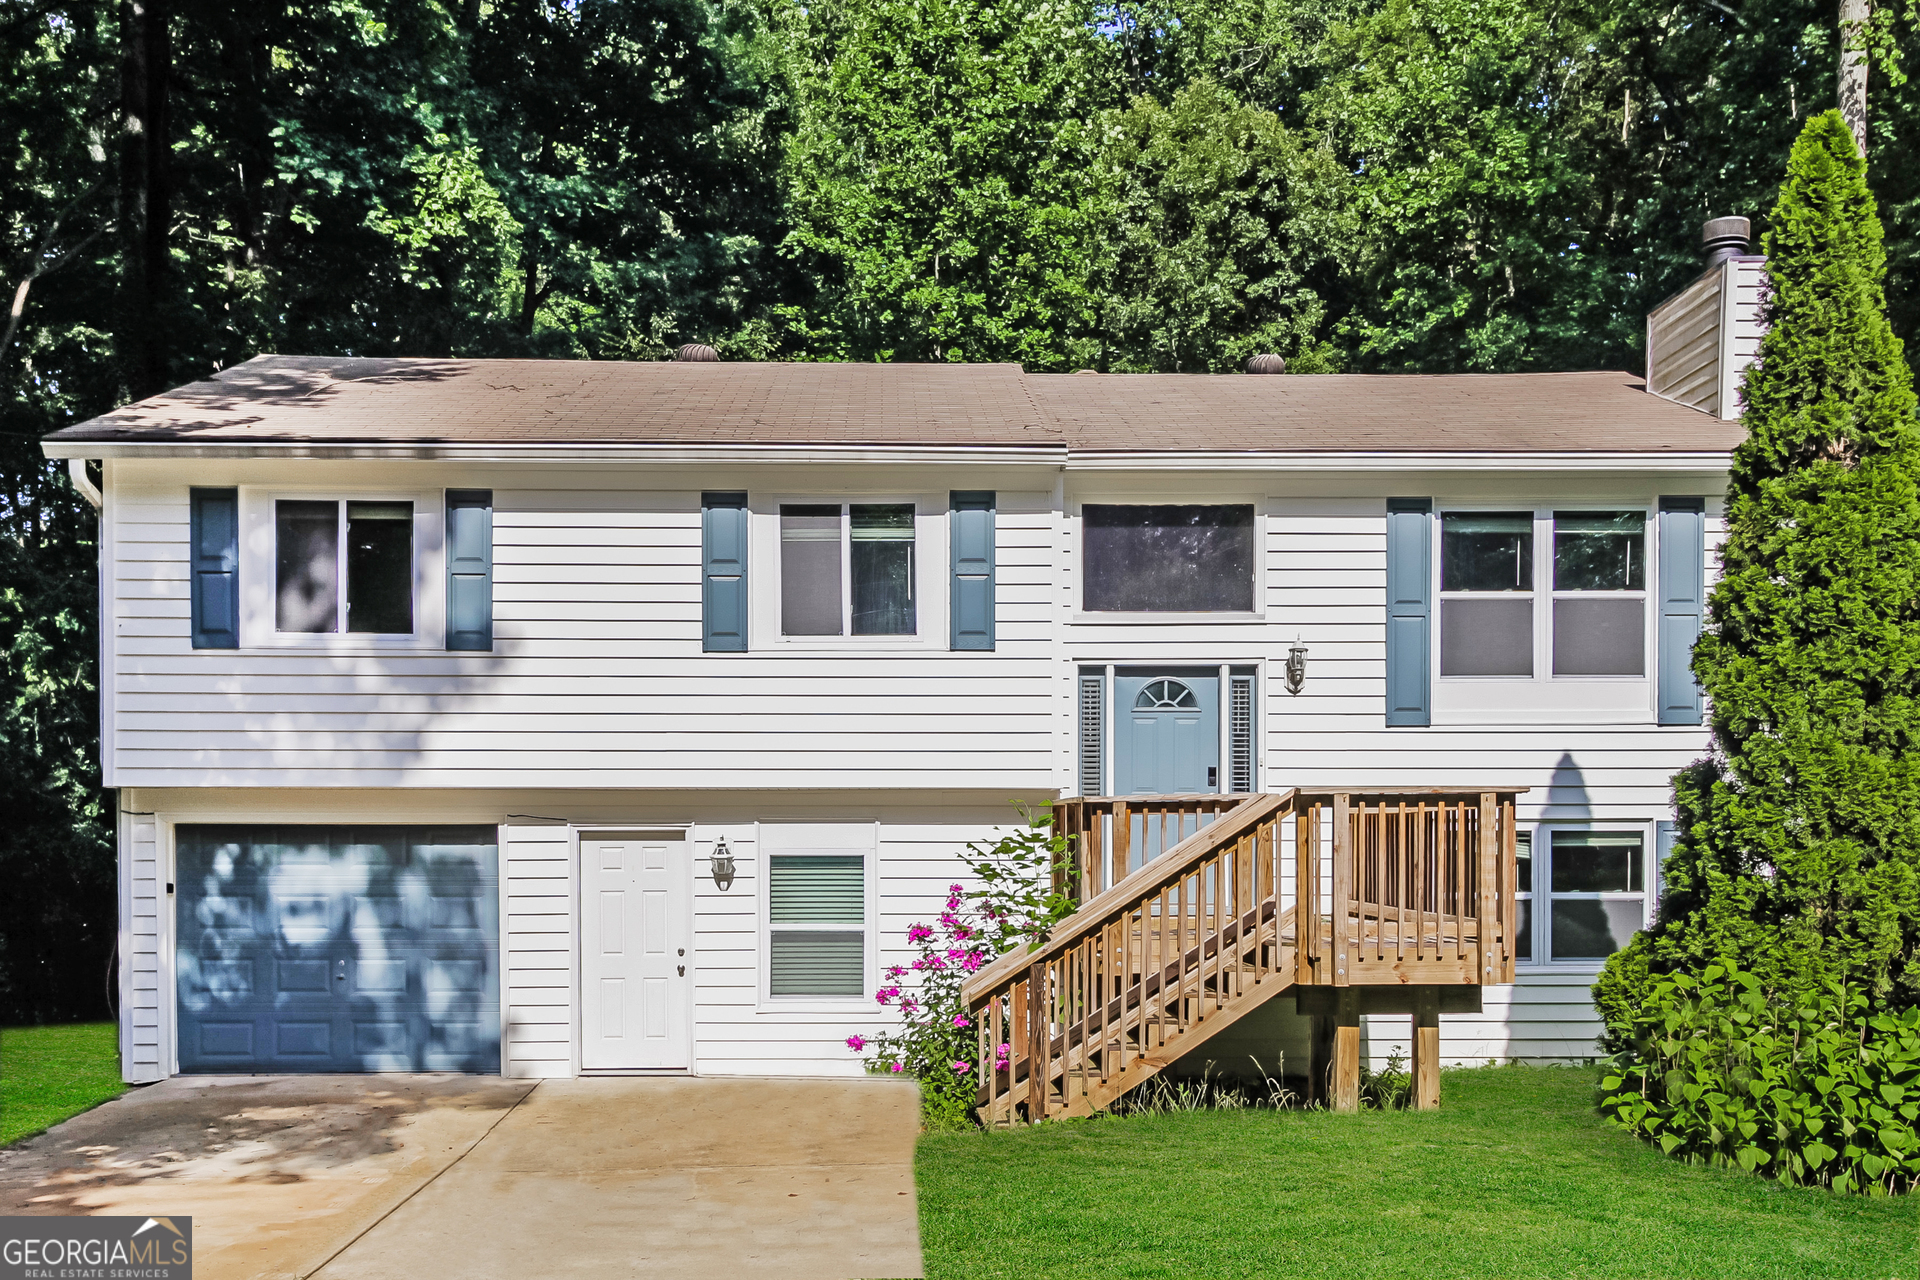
338 948
1167 739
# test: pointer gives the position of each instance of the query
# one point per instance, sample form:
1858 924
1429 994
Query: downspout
77 472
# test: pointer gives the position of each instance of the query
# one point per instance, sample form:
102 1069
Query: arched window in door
1166 695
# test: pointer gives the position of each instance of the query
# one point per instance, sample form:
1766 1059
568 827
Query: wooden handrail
1421 894
1176 861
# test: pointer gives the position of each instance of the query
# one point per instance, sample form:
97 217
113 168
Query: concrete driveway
360 1177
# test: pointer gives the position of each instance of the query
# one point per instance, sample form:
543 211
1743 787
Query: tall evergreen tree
1799 851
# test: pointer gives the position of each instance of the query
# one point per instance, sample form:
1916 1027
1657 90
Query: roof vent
1267 363
1725 238
696 353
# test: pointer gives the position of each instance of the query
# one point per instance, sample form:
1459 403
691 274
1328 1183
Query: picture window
1168 559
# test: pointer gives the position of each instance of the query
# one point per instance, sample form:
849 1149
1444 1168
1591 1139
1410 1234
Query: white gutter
77 472
1072 460
1381 460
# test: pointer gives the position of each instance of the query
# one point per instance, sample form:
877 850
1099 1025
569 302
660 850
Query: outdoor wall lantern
1296 666
722 862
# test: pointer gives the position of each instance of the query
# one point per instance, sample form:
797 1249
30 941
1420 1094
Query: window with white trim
1592 885
1486 593
817 925
1599 593
343 566
1589 621
847 569
1189 558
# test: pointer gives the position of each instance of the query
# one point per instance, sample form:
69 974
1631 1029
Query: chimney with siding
1701 339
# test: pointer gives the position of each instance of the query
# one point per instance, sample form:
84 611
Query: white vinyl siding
145 1000
597 674
537 953
598 706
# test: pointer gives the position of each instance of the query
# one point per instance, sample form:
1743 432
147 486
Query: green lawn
1514 1176
50 1073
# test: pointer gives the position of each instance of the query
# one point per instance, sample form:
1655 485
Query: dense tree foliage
1799 852
1165 185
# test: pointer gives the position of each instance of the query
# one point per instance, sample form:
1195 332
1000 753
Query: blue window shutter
1409 611
470 569
1683 590
214 517
723 550
972 537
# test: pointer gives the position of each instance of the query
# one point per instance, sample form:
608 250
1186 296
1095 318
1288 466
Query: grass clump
48 1074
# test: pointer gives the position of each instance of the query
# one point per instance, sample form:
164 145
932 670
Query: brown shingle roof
1418 413
296 399
415 401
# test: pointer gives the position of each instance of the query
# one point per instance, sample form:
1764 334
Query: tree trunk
1853 69
146 192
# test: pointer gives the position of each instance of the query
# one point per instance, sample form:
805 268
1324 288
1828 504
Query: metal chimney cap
1266 363
1725 238
696 353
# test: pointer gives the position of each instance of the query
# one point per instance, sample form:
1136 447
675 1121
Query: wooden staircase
1390 895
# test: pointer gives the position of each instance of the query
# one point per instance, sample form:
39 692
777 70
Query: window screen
817 911
1168 559
1599 637
307 566
881 558
1486 637
810 599
380 567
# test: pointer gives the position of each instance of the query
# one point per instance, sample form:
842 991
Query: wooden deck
1196 910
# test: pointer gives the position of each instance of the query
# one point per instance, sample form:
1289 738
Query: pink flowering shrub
1016 904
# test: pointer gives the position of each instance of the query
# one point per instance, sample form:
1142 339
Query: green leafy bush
1017 903
1814 1091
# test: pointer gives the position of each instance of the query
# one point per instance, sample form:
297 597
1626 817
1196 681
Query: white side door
635 899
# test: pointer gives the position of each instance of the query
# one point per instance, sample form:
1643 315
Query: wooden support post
1343 870
1320 1061
1486 885
1039 1043
1346 1052
1426 1048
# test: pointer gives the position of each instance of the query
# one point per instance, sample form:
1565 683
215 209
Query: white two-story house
558 717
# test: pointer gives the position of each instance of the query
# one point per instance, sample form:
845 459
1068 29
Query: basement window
817 924
1594 886
343 567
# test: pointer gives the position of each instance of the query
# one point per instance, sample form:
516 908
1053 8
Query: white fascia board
1367 461
980 455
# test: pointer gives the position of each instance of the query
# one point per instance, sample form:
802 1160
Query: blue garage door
338 948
